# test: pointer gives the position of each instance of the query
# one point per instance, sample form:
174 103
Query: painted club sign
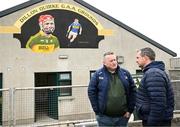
58 25
62 6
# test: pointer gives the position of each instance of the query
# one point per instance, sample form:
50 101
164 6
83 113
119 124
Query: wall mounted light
120 59
63 57
9 68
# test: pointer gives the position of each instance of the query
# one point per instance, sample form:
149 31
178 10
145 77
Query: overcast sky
156 19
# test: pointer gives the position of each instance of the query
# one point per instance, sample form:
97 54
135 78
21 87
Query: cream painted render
18 65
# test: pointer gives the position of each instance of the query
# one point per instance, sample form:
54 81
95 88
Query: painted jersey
75 27
42 43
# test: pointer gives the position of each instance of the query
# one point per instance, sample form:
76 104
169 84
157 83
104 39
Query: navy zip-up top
98 89
155 97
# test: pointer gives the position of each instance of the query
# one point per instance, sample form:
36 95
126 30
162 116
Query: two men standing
112 92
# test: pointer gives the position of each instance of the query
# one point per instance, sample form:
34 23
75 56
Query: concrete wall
175 63
174 74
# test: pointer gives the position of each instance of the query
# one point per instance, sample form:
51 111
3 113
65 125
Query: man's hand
127 114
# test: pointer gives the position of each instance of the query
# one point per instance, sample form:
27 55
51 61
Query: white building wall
18 65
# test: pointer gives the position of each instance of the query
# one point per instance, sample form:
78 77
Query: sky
156 19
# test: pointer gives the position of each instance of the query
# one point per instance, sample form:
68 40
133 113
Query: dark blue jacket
98 89
155 98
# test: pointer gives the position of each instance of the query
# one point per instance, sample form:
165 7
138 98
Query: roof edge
19 7
99 12
133 31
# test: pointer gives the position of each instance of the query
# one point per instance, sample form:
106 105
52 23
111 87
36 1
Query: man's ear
146 58
103 62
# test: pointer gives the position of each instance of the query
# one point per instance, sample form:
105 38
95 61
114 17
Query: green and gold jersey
42 44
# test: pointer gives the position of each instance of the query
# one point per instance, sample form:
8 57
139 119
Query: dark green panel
53 97
0 80
53 103
0 99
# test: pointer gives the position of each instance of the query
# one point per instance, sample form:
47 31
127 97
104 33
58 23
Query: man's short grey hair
108 53
148 52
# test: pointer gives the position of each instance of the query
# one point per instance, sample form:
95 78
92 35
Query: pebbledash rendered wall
174 73
18 64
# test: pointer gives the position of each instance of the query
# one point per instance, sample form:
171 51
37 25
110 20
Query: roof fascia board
115 21
19 7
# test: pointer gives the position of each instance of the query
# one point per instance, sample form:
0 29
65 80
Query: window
139 72
64 79
91 73
137 77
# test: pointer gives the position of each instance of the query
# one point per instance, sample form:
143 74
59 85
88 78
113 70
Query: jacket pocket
139 112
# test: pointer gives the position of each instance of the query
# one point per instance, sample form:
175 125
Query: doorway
46 100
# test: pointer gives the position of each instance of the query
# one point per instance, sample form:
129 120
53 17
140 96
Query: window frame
65 82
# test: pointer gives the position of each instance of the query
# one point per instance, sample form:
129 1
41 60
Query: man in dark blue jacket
111 92
155 98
